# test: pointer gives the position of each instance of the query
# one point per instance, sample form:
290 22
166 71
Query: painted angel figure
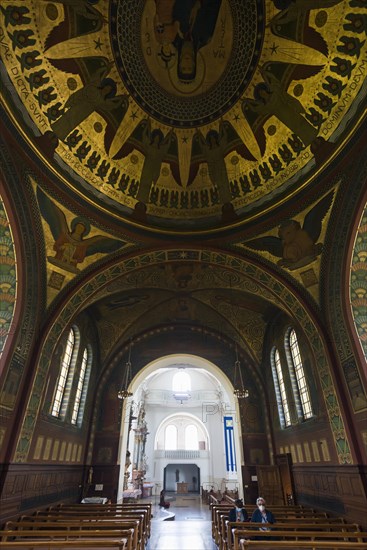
291 10
297 245
98 94
70 246
80 18
156 149
271 98
213 149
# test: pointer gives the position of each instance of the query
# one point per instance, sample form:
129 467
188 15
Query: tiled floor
190 530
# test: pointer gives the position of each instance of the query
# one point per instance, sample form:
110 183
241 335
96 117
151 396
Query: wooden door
284 462
270 484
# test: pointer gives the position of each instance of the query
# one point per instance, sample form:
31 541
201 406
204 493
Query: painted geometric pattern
358 282
8 277
288 302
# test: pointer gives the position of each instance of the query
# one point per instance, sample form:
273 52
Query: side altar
182 487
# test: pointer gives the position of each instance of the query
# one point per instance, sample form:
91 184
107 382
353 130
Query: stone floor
185 526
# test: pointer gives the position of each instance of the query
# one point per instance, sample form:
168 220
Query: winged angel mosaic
184 109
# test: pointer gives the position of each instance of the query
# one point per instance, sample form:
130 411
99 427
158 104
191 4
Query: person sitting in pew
238 513
262 515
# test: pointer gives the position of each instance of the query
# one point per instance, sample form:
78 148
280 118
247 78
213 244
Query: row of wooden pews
296 527
123 526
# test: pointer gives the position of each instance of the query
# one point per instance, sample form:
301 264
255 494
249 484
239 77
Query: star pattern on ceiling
178 113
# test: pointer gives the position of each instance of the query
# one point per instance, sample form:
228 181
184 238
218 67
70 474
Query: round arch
171 418
259 278
229 406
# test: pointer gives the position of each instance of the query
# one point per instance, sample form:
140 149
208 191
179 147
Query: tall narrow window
64 373
297 366
170 439
181 381
281 395
81 389
191 438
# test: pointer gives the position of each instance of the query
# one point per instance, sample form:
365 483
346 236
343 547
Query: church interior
183 271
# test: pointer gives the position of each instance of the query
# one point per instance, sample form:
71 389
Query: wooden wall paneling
336 489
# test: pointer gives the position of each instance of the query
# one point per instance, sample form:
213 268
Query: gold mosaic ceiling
184 114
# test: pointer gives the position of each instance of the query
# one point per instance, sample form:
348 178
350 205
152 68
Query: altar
131 495
182 487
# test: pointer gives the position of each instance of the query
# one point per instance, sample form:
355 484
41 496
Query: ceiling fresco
183 294
183 115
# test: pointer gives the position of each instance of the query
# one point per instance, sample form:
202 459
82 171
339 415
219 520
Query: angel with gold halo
70 246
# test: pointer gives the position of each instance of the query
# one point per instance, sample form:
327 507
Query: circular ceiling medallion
186 63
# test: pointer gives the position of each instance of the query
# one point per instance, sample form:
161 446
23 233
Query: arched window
280 393
170 439
191 438
298 379
66 375
181 381
82 388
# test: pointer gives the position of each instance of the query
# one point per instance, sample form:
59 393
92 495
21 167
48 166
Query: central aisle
190 530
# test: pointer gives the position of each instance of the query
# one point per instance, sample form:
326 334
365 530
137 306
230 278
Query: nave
190 530
183 256
188 523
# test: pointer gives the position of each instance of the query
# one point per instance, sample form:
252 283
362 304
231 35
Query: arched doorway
181 426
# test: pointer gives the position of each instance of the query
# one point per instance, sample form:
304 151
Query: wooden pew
216 510
243 538
82 525
70 544
69 523
337 524
284 545
279 512
31 538
101 514
145 509
220 515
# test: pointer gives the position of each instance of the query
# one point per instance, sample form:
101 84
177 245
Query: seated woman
262 515
162 502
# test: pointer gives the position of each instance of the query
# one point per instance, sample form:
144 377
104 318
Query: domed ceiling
185 114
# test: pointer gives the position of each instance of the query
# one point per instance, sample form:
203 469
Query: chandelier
240 391
124 393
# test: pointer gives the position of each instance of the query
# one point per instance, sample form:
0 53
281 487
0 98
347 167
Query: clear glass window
80 387
280 391
191 438
170 439
304 394
181 381
64 373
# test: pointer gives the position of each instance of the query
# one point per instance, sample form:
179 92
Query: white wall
210 400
